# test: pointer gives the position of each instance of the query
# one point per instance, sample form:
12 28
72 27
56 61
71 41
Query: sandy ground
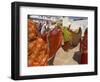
67 57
